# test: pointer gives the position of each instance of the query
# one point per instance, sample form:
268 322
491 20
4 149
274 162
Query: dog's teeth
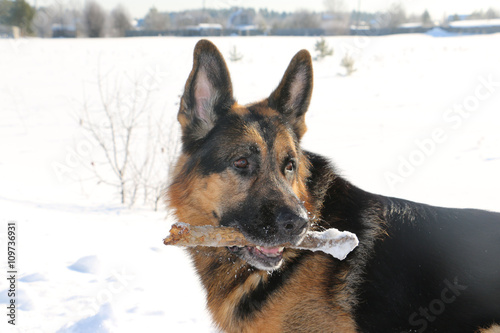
281 249
258 248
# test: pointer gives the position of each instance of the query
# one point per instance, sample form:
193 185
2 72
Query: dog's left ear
208 93
293 94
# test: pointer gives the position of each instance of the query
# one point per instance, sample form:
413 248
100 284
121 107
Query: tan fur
300 126
239 110
284 143
204 195
492 329
303 297
263 110
253 136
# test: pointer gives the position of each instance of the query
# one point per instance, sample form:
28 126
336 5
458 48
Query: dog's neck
227 280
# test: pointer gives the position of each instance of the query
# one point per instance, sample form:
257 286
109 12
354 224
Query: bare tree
338 22
481 14
301 19
64 16
491 14
94 18
335 6
155 20
113 125
261 21
137 148
120 21
161 151
426 19
396 15
44 19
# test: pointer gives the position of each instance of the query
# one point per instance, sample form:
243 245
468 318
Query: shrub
348 63
322 49
234 55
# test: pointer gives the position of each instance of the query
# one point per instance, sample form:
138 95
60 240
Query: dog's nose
291 223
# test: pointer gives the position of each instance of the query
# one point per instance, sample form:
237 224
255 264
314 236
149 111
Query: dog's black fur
436 269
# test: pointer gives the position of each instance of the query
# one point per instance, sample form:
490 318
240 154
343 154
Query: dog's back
437 268
423 267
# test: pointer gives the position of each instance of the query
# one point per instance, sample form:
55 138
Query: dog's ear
208 93
293 94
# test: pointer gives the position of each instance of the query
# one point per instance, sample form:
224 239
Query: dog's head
242 166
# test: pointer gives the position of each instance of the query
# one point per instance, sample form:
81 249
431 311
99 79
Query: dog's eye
289 166
241 163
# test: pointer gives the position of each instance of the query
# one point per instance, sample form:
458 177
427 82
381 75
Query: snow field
420 108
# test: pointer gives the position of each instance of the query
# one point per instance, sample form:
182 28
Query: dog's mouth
261 257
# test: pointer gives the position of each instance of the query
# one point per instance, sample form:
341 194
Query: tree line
92 20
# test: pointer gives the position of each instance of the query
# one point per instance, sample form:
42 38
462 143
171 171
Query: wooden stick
332 241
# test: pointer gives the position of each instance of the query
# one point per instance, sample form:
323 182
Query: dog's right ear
208 93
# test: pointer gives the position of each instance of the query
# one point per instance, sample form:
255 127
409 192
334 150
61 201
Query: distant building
298 32
138 24
244 30
63 31
203 30
240 18
373 30
412 28
474 26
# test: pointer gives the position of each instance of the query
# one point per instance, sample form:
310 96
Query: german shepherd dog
417 268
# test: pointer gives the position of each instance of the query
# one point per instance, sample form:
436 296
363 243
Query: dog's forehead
265 127
259 109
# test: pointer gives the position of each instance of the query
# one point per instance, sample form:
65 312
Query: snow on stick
331 241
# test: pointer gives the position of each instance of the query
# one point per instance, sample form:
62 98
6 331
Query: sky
437 8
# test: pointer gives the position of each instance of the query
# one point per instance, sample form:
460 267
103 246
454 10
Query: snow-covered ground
419 119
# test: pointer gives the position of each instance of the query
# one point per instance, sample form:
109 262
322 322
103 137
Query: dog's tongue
269 250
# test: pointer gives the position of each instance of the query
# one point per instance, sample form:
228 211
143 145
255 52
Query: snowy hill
418 119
